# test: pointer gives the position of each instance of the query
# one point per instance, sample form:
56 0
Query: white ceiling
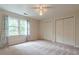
55 9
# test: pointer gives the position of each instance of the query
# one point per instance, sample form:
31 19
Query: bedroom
35 27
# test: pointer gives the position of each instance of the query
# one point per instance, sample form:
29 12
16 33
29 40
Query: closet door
69 31
59 31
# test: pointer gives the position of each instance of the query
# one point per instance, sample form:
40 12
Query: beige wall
34 26
47 30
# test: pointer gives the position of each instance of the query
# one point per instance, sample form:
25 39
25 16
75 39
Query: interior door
69 31
59 31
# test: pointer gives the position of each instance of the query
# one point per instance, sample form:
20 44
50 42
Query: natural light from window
18 27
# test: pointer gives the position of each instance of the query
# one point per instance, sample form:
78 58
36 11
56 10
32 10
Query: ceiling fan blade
39 7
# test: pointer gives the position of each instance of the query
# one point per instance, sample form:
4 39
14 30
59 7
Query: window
18 27
28 28
23 27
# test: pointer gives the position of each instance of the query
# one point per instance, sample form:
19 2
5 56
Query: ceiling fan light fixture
41 8
41 13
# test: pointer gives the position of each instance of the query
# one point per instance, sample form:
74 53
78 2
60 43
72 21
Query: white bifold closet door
65 31
59 31
69 31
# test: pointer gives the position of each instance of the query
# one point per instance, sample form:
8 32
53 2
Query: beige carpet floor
39 47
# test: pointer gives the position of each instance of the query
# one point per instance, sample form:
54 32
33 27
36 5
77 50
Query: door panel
69 31
59 31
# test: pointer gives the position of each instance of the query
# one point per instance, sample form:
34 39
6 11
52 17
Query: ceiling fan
41 8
